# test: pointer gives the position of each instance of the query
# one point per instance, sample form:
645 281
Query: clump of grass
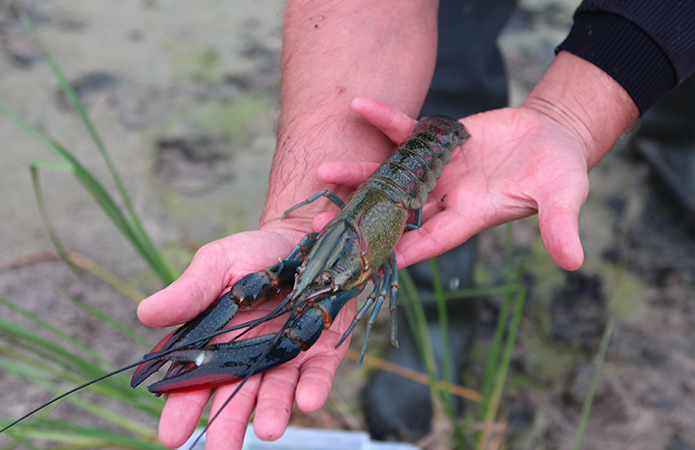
52 362
499 356
586 408
480 427
123 217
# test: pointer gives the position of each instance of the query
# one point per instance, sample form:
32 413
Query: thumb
391 121
188 296
558 217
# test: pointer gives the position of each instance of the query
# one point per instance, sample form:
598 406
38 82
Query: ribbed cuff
625 52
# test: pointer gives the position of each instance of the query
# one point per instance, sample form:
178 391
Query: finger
275 398
317 373
560 234
200 285
558 218
315 380
345 173
229 428
440 233
180 417
392 122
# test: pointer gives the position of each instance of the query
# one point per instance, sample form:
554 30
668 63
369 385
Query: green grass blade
145 248
40 373
91 185
502 369
67 89
38 193
492 364
63 357
415 314
483 291
443 321
110 208
79 435
75 368
37 370
600 357
117 419
42 323
114 323
107 276
164 268
71 366
459 428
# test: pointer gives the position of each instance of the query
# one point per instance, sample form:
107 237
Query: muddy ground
185 96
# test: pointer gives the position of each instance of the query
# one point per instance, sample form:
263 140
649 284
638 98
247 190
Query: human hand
214 269
517 162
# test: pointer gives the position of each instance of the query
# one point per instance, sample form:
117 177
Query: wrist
303 145
333 52
585 100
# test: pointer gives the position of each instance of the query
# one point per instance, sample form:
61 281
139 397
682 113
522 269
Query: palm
516 163
213 270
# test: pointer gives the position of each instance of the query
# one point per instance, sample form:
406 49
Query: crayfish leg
368 303
325 193
393 298
417 220
380 297
374 301
305 245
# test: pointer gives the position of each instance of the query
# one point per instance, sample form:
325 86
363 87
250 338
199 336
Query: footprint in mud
91 88
192 161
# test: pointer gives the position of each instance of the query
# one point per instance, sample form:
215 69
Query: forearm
585 100
333 52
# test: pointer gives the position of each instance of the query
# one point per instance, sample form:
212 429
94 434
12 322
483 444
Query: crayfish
325 270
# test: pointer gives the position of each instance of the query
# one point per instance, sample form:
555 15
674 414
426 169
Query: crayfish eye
326 279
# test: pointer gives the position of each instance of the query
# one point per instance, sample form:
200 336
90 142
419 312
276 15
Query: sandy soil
184 94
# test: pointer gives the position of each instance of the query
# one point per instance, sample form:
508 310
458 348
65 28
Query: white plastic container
310 439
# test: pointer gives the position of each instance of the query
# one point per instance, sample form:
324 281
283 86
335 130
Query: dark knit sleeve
648 46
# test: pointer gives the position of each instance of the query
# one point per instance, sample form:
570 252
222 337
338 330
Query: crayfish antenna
72 391
148 358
